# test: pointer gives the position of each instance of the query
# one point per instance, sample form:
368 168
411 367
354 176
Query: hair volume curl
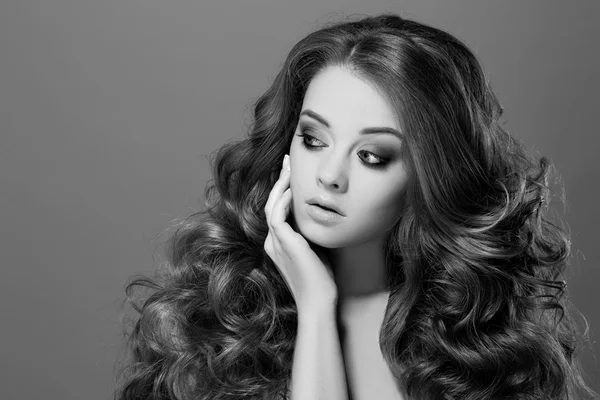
478 308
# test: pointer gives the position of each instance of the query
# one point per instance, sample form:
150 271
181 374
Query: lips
325 203
327 208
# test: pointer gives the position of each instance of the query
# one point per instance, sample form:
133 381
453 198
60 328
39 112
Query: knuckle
275 228
268 245
268 248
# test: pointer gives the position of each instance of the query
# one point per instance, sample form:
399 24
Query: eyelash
309 147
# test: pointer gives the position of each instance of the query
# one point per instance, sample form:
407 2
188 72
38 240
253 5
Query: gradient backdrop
108 109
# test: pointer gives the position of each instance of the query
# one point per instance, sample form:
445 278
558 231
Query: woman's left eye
309 140
378 160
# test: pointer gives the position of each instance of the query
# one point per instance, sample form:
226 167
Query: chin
326 243
325 237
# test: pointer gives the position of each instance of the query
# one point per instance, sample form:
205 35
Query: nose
332 174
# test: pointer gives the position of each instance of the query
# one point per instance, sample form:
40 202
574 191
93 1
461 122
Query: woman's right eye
308 139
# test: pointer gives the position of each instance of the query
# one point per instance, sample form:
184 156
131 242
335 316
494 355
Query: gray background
108 108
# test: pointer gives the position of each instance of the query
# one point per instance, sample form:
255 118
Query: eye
379 161
308 142
306 137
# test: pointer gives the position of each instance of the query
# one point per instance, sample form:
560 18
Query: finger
281 229
273 194
272 245
276 192
268 245
273 249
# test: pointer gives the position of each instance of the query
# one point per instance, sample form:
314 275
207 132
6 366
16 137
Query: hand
307 274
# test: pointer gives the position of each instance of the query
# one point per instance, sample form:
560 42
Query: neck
359 270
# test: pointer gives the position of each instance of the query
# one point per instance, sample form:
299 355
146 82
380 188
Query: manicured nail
286 162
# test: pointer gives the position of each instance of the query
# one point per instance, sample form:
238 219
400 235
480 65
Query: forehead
343 98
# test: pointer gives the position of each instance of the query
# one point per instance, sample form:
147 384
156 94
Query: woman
377 236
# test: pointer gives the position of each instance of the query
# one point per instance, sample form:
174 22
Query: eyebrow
364 131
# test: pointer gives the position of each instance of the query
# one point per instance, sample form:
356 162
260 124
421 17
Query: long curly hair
478 307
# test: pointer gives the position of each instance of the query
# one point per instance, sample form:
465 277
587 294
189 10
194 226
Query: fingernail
286 162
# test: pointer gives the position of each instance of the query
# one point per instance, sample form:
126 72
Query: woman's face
364 175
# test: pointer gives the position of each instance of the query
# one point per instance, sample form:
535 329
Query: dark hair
477 307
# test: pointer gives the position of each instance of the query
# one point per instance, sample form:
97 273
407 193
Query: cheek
296 187
299 172
295 163
388 204
294 180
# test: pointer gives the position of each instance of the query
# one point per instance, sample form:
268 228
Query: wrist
317 312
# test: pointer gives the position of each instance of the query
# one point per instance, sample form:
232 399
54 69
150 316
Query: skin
339 168
351 275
